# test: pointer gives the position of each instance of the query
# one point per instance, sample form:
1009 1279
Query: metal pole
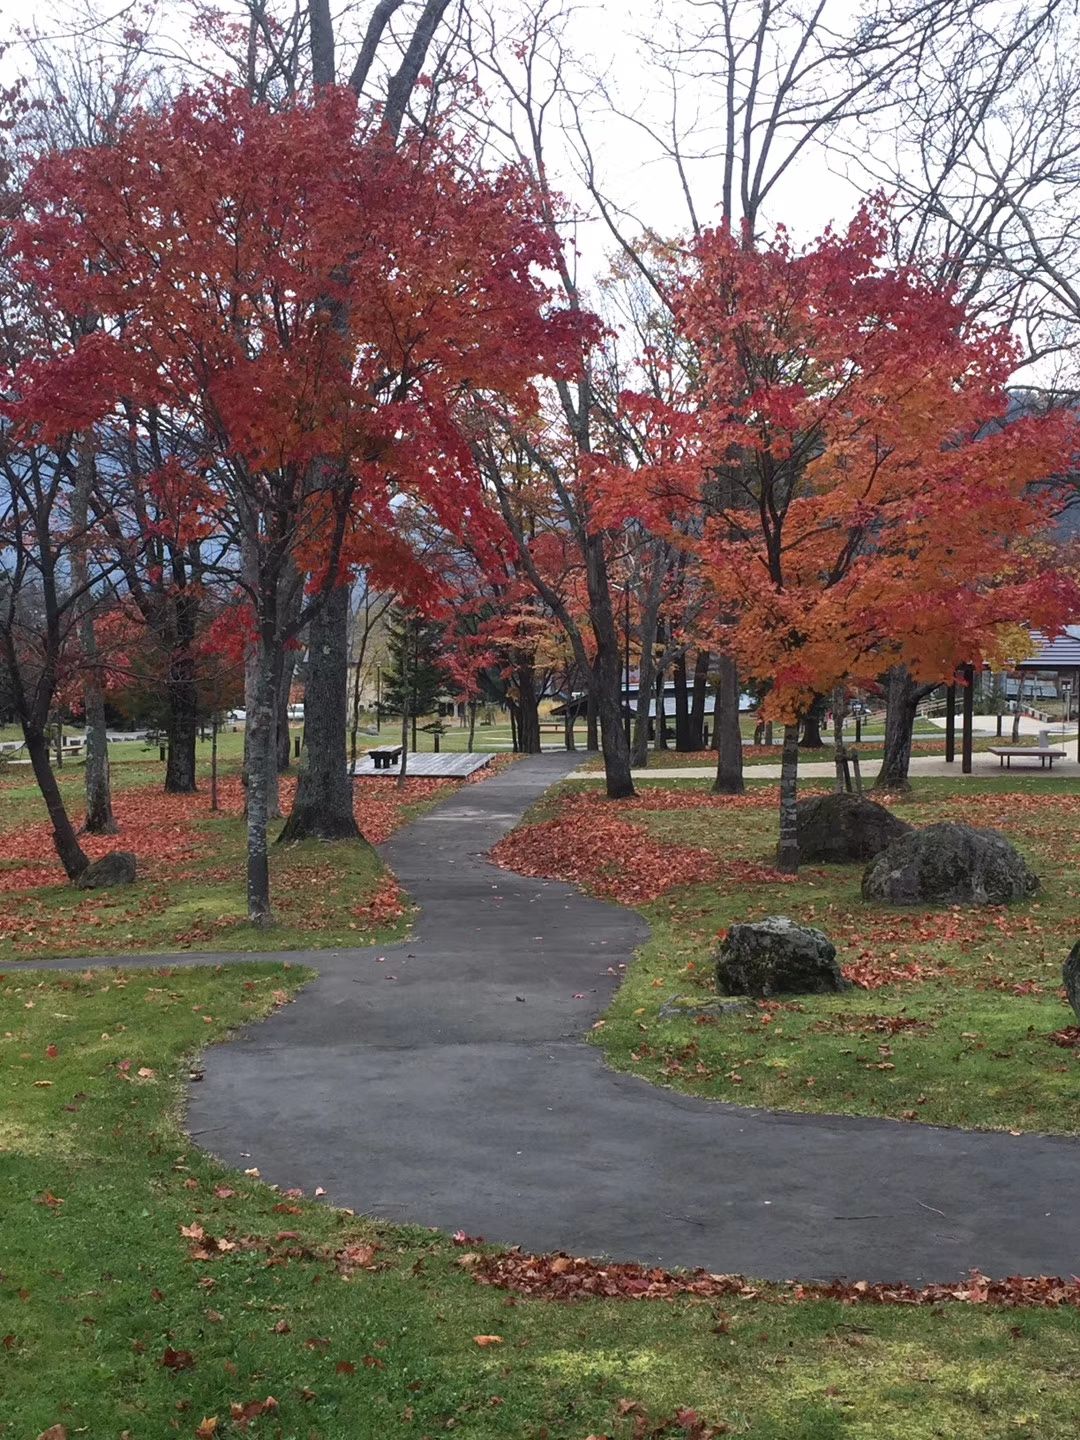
950 724
969 718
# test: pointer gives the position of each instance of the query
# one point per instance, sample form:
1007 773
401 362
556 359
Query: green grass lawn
957 1029
111 1325
190 894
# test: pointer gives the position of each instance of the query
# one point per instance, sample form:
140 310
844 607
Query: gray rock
696 1007
1070 978
842 826
775 956
116 868
949 864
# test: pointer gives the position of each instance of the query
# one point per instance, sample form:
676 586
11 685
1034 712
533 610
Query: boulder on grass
1070 978
843 826
949 864
116 868
777 957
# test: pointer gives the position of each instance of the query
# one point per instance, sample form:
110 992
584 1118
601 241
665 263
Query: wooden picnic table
1042 753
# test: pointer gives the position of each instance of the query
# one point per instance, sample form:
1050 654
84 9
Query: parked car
238 717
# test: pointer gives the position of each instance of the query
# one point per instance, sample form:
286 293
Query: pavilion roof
1062 653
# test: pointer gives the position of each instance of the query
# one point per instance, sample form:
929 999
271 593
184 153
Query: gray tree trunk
902 697
260 734
99 812
699 690
787 851
729 759
323 808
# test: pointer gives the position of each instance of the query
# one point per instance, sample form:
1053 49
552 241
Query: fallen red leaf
177 1359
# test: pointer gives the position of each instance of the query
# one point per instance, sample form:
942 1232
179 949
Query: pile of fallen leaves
388 903
162 830
594 843
380 806
568 1277
608 856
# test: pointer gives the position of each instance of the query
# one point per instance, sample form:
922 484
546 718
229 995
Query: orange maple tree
855 497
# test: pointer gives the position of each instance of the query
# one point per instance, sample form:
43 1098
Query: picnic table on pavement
1042 753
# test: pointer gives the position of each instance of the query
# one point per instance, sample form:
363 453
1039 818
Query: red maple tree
308 307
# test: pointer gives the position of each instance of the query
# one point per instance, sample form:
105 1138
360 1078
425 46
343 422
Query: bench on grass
1042 753
383 759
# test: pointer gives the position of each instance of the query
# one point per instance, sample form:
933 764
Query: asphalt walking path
444 1082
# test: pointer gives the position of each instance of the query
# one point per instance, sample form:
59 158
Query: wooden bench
383 759
1027 752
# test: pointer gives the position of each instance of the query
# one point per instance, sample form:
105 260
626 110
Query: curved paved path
443 1082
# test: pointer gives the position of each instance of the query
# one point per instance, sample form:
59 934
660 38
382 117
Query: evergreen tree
414 679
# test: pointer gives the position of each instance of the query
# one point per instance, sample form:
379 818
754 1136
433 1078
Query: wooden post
950 724
969 719
845 767
296 748
858 728
213 765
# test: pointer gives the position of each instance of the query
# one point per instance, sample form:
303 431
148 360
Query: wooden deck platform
455 764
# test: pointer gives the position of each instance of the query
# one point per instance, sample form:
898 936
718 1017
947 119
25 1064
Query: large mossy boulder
116 868
842 826
949 864
775 956
1070 978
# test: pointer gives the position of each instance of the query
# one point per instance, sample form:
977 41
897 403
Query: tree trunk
472 722
592 734
66 841
269 755
528 711
608 681
660 722
260 737
682 708
1019 707
702 661
838 737
323 808
99 812
403 768
213 764
284 738
787 851
182 725
568 728
902 696
650 625
729 760
811 729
